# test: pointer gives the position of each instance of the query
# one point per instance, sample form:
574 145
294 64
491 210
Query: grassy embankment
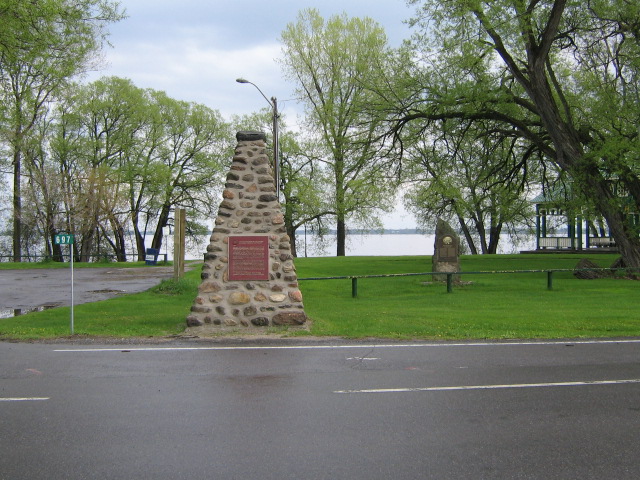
498 306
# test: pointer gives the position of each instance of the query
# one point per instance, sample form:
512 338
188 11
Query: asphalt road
24 290
220 410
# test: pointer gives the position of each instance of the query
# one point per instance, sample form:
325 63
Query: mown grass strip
498 306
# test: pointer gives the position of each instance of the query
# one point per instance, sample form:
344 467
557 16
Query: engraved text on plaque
248 257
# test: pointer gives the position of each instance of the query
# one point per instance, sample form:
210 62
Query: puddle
16 312
109 291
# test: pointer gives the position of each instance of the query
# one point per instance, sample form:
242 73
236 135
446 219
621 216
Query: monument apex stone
250 136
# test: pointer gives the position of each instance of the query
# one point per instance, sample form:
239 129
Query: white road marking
24 399
491 387
330 347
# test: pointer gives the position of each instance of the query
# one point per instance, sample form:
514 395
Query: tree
332 62
131 155
563 73
304 186
43 44
193 154
453 176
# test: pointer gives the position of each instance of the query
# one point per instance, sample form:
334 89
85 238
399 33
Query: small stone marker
248 277
446 252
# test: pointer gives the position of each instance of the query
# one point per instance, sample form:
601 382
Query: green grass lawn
496 306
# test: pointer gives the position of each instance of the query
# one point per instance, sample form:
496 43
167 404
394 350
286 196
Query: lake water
364 245
390 244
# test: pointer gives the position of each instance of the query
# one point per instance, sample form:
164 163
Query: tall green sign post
68 239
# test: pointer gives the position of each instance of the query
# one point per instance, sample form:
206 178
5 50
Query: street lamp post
273 103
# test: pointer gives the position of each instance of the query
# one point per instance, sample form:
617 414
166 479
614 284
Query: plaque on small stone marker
446 256
249 257
448 249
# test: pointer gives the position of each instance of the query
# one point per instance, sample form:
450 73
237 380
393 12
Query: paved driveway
46 288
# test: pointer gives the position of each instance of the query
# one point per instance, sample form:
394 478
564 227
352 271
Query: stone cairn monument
446 252
248 277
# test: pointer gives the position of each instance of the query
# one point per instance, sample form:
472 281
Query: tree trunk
625 237
88 242
121 250
17 207
341 237
291 232
288 222
571 158
56 250
163 220
467 236
140 247
494 238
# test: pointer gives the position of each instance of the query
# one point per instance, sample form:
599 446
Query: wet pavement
357 411
22 291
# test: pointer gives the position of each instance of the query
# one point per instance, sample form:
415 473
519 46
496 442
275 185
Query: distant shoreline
378 231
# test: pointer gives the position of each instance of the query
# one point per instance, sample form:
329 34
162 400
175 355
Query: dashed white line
23 399
491 387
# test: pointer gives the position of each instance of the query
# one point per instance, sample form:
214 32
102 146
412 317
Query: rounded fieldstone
289 318
209 287
277 297
239 298
193 321
260 321
295 296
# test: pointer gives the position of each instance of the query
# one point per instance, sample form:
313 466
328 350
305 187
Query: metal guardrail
450 275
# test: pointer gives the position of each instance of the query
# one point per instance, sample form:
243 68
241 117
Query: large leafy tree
332 62
457 174
193 154
123 157
562 73
43 43
107 116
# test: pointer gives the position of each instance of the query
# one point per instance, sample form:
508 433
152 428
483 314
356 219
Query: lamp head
242 80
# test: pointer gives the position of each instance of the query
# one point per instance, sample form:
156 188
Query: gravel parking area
24 290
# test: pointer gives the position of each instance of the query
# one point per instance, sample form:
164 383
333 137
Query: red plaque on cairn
249 257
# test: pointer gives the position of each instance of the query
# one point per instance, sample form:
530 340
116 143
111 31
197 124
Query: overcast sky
195 49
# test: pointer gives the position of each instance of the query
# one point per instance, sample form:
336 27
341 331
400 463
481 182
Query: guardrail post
354 287
550 280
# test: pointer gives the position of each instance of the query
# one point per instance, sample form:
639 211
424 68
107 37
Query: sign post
179 230
68 239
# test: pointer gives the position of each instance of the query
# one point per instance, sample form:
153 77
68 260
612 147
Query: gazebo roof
557 194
